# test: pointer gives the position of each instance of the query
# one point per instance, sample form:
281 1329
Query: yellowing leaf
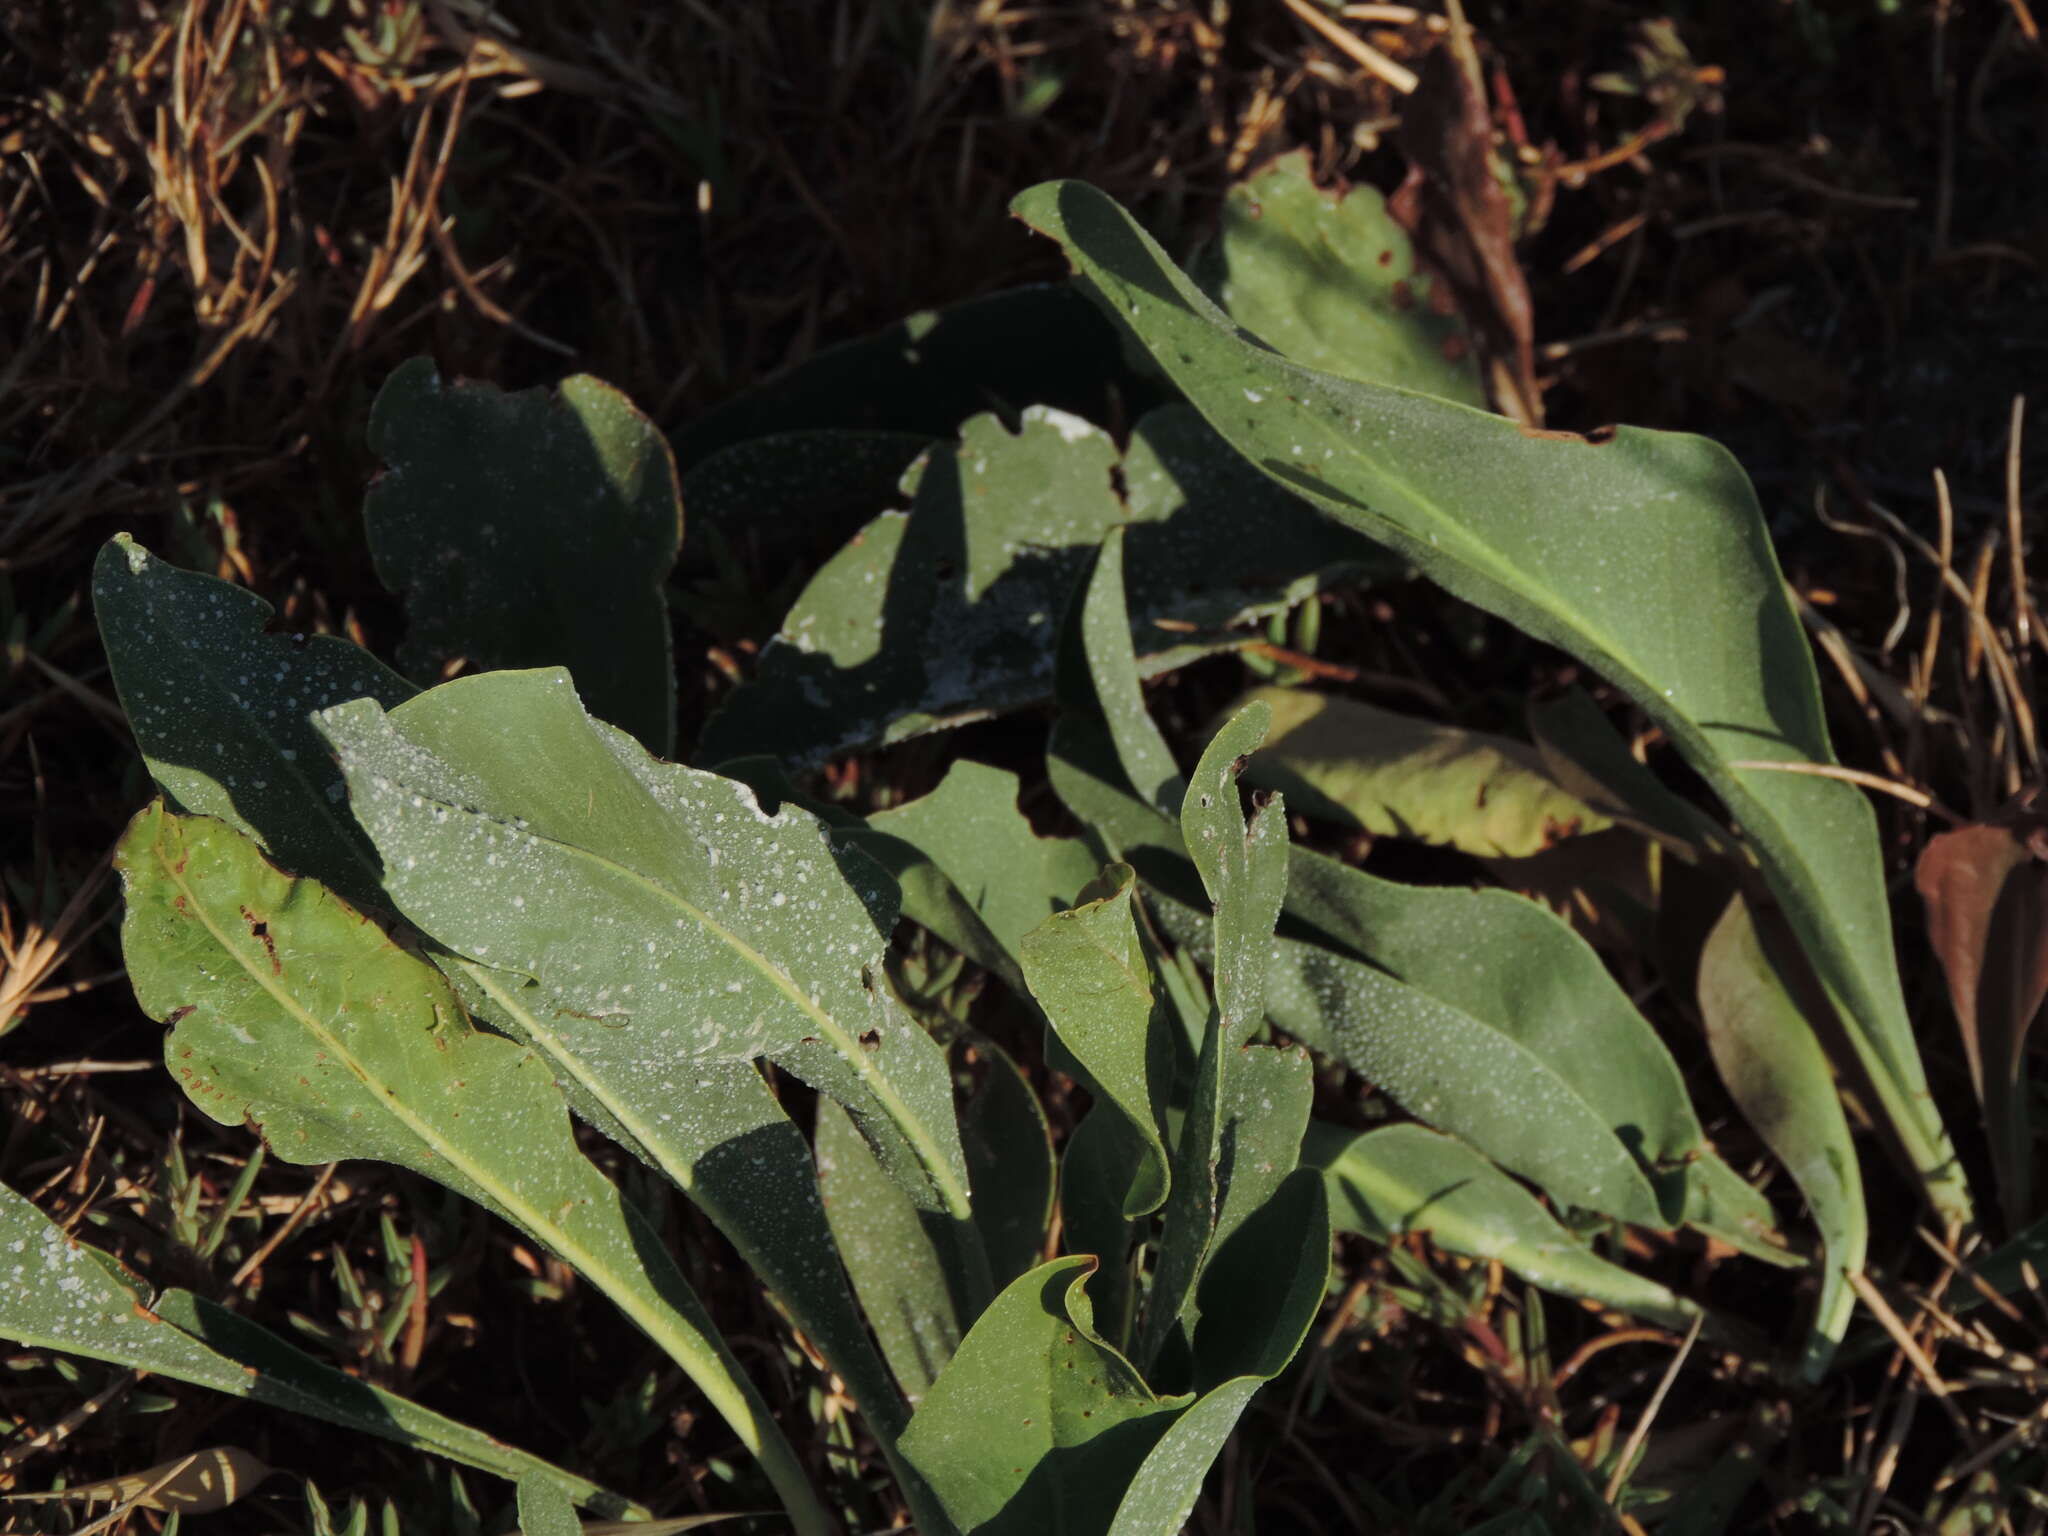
1397 776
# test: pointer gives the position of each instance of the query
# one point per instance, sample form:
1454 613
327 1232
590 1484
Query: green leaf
1264 1283
1465 1074
1037 1425
1100 1167
1243 867
222 709
1643 554
1249 1104
1262 1293
1387 1183
1103 629
1088 970
1163 1491
295 1013
946 614
971 830
721 1136
1767 1053
530 529
1393 775
544 1511
1010 1156
648 898
894 1262
58 1293
1518 969
1331 280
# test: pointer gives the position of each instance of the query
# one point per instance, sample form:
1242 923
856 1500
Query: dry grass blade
198 1484
31 953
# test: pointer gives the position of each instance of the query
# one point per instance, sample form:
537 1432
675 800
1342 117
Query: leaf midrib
949 1188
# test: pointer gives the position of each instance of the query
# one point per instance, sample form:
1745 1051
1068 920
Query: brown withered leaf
1455 205
1986 890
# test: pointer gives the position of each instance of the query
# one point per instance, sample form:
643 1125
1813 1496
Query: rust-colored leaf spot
1593 438
871 1038
178 1013
259 930
1386 258
144 1313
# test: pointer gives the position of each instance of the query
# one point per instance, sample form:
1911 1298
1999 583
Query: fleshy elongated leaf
896 1267
527 530
1163 1492
1396 776
1513 965
1103 627
1249 1104
649 898
1463 1073
1331 280
1287 1261
1643 554
946 613
1986 891
1777 1073
1404 1178
57 1293
1037 1425
1243 865
222 709
1088 970
294 1012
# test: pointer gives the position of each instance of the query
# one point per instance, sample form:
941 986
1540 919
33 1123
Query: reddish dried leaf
1986 890
1456 208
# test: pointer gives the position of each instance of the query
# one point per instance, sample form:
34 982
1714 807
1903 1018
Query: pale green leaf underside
1404 1179
1778 1075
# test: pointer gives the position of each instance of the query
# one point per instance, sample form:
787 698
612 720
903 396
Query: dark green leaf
527 530
222 709
1766 1050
